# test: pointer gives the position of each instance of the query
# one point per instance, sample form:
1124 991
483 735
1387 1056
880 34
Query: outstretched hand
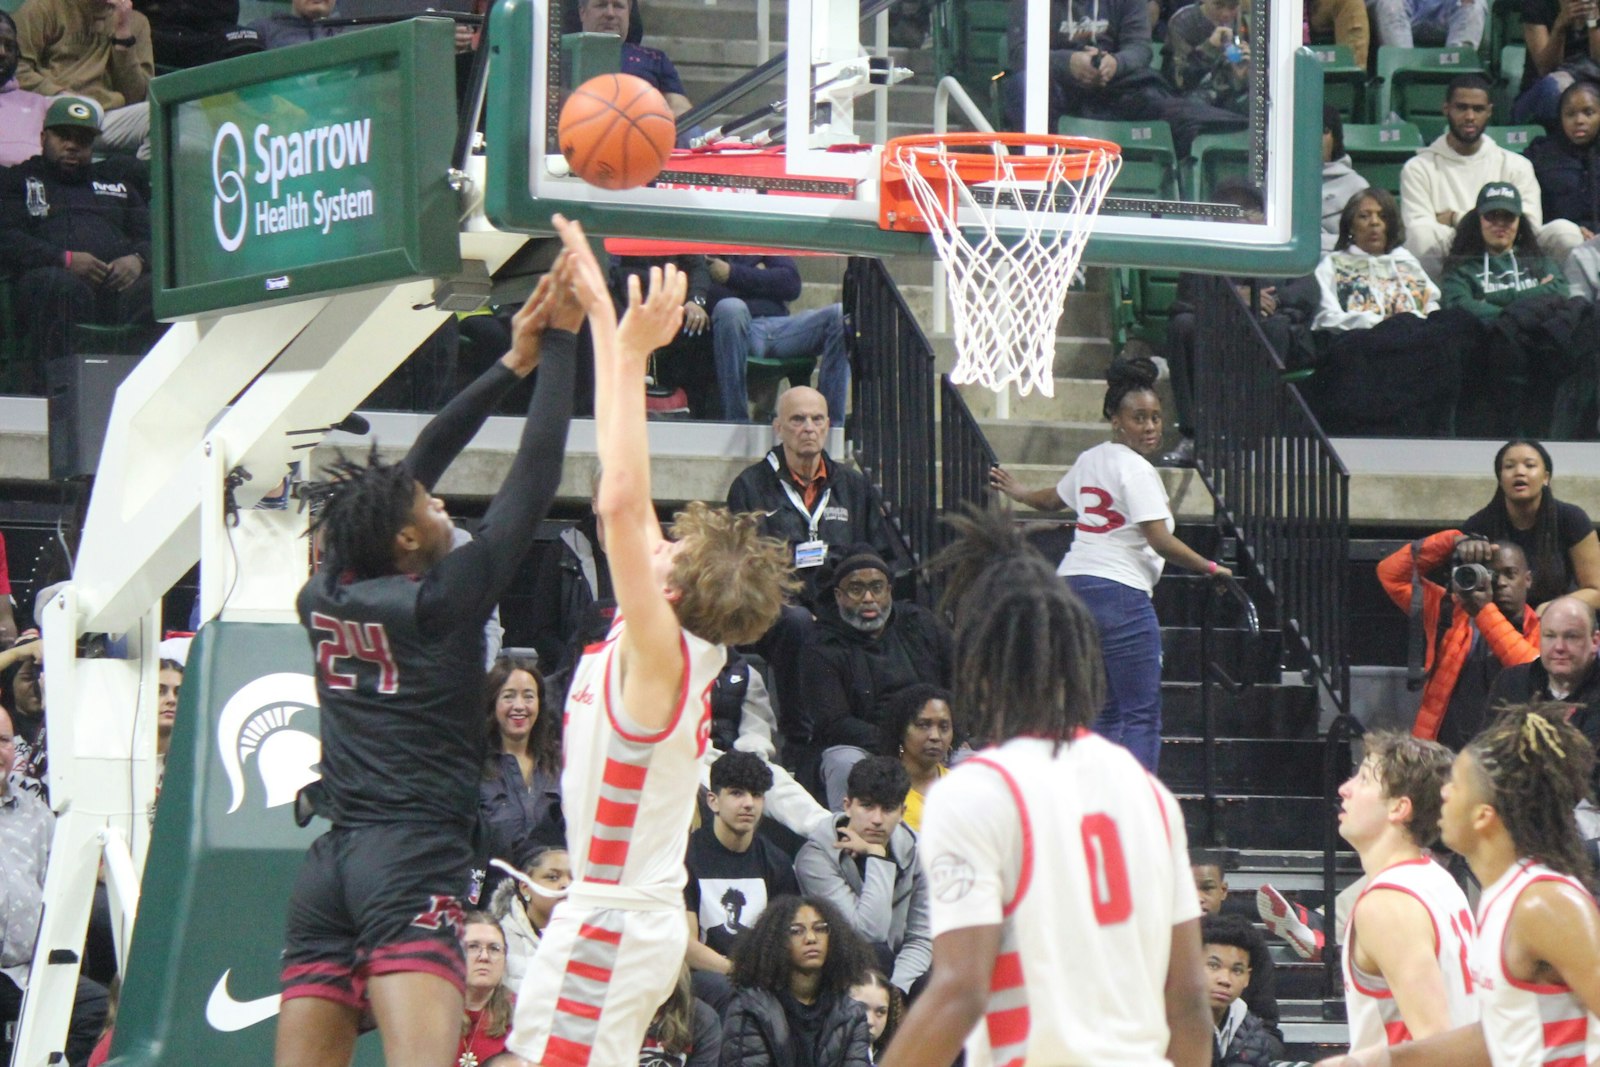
588 282
527 328
653 319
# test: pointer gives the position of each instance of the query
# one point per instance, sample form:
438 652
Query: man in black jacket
78 234
867 648
1567 670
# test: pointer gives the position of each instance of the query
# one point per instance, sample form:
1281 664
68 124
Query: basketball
617 131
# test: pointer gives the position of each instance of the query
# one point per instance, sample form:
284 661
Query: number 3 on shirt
1102 509
1108 870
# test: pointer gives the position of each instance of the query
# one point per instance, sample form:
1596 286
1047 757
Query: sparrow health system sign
304 171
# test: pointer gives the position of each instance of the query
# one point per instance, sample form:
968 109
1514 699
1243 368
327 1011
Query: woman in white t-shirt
1124 532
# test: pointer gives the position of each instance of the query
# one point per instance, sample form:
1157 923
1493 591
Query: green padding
224 854
585 55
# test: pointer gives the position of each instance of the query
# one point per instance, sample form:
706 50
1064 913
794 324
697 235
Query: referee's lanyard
812 552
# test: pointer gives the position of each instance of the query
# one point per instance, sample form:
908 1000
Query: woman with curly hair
520 794
1124 538
792 974
1508 810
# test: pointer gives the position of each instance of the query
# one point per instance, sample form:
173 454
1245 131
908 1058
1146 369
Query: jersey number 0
1108 869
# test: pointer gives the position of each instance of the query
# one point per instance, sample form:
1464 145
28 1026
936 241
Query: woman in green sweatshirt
1495 259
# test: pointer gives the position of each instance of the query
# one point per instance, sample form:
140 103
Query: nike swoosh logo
226 1014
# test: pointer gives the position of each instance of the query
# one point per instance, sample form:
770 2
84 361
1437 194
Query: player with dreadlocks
1053 857
396 622
1508 810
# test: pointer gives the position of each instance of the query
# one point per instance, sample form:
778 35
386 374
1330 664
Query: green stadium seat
1344 83
10 6
1157 292
202 979
1413 82
1379 152
762 377
1503 29
969 42
1149 163
1514 138
1513 61
1216 157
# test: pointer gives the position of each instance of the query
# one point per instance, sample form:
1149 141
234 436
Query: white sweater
1439 179
1361 290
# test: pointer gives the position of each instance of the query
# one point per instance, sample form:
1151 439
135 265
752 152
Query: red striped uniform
1374 1014
1525 1024
1081 857
613 948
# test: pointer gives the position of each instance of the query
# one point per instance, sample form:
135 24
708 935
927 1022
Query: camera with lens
1470 577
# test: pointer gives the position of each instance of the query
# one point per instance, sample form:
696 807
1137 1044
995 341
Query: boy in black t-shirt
733 872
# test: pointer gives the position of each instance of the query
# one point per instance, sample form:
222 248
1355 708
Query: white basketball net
1006 296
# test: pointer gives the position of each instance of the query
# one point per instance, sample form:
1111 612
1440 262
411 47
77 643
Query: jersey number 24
365 641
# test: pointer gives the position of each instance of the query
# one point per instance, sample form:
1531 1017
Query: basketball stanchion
1010 230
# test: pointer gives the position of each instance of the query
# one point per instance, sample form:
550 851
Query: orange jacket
1444 662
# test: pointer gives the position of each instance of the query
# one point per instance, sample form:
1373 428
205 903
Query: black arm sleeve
448 432
469 581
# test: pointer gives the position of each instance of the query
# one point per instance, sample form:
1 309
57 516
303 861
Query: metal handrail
1211 671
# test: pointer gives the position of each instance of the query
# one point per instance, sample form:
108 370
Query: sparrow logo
256 722
228 1015
228 185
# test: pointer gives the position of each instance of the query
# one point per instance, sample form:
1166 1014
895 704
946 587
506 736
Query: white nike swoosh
226 1014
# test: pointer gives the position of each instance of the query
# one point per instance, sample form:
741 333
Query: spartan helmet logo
257 722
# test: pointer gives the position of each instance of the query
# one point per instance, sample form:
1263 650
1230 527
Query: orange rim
1081 156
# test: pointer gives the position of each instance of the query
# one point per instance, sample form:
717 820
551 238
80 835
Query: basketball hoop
1006 294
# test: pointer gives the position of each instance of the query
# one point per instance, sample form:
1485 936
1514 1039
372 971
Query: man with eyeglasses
1241 1039
867 648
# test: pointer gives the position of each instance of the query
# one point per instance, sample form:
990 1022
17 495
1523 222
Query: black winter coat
1569 179
852 675
102 212
1251 1046
755 1033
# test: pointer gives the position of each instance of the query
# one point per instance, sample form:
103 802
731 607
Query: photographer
1481 624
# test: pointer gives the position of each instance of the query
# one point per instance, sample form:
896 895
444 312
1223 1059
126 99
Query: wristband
68 254
1211 566
125 42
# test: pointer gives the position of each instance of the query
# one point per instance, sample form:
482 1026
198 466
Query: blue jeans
737 337
1130 646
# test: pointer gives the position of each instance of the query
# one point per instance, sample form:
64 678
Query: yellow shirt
913 816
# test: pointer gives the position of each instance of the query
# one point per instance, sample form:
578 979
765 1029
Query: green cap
73 111
1499 196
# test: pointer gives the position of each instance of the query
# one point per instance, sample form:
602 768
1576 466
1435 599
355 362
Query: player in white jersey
1066 927
1508 810
637 718
1406 945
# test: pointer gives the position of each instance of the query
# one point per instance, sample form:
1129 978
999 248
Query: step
1246 657
1278 711
1300 981
1263 768
1258 822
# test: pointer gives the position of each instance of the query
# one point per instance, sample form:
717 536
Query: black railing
964 453
891 425
1213 672
1278 481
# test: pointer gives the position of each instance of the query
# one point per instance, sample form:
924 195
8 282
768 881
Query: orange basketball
617 131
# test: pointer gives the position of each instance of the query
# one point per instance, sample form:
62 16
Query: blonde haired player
637 717
1066 926
1405 948
1508 810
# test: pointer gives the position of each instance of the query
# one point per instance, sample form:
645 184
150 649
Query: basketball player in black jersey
396 624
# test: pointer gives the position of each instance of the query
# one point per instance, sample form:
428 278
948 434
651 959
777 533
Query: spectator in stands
1556 537
523 907
865 864
1345 22
489 1004
26 824
919 730
169 680
750 320
1339 178
1566 162
1388 360
1440 183
1470 634
687 364
572 598
1563 39
1227 945
732 870
192 33
866 649
1535 367
1430 23
21 112
1208 54
99 49
1260 993
519 798
885 1005
1100 69
24 663
1567 670
685 1032
651 64
303 22
78 235
792 976
1123 540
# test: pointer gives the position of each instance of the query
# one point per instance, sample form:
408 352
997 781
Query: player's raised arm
640 558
